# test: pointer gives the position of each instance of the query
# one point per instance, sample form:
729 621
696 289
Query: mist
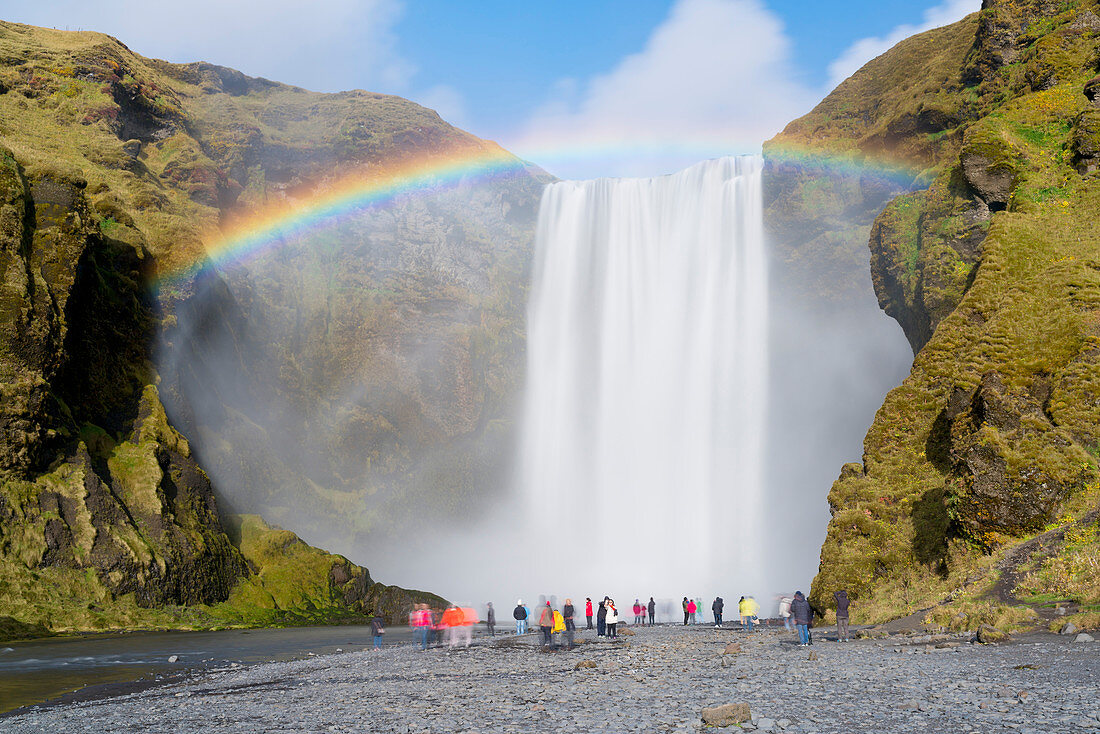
369 387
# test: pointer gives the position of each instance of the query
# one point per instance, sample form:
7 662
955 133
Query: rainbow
379 185
364 189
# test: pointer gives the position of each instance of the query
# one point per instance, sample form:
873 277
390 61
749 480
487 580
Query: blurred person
652 610
557 629
699 609
490 619
450 623
639 616
754 612
691 609
437 627
421 620
377 630
684 604
842 605
520 615
546 623
785 612
743 610
588 610
466 629
717 607
803 617
601 618
612 619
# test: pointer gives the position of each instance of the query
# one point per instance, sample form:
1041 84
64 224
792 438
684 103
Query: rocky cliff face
115 169
989 269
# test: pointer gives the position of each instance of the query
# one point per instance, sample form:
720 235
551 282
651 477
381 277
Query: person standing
716 607
652 610
377 630
490 619
639 617
684 604
588 610
743 611
785 612
601 618
612 618
692 608
520 615
570 627
842 605
546 623
800 611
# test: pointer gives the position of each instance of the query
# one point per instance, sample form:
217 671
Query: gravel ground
656 680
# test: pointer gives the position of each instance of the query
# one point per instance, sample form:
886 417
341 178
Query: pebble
661 682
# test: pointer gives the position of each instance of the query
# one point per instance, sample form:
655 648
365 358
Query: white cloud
865 49
712 79
324 45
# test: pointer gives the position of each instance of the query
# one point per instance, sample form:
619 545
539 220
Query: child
377 630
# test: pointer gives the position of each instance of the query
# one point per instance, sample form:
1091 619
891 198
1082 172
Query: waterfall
642 467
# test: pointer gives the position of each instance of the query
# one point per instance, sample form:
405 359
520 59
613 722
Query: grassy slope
167 152
993 436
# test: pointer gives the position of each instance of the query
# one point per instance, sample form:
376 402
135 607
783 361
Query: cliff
987 258
116 170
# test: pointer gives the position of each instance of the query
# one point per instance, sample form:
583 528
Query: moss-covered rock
990 271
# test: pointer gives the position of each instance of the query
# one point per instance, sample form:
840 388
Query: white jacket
612 616
785 607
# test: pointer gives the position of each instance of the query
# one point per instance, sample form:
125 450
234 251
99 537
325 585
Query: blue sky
584 89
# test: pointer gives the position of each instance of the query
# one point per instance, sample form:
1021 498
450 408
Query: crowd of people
453 625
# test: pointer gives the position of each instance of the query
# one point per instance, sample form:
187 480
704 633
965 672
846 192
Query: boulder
727 715
625 633
731 648
585 664
1084 637
987 634
1068 628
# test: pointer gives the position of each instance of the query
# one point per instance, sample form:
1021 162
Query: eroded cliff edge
988 258
115 169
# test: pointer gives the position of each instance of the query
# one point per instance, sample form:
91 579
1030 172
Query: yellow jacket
748 607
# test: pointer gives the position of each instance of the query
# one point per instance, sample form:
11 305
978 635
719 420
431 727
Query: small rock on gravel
727 715
1084 637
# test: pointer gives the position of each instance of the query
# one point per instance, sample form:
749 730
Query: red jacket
588 609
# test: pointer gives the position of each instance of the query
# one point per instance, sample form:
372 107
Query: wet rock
727 715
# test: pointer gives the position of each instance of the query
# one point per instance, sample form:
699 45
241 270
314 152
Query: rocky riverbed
656 680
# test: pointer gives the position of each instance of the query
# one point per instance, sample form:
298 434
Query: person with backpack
377 630
803 617
520 615
717 607
842 605
588 610
652 608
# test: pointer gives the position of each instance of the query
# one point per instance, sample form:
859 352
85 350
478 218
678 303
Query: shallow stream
36 671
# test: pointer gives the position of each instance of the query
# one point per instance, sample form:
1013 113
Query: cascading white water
642 465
